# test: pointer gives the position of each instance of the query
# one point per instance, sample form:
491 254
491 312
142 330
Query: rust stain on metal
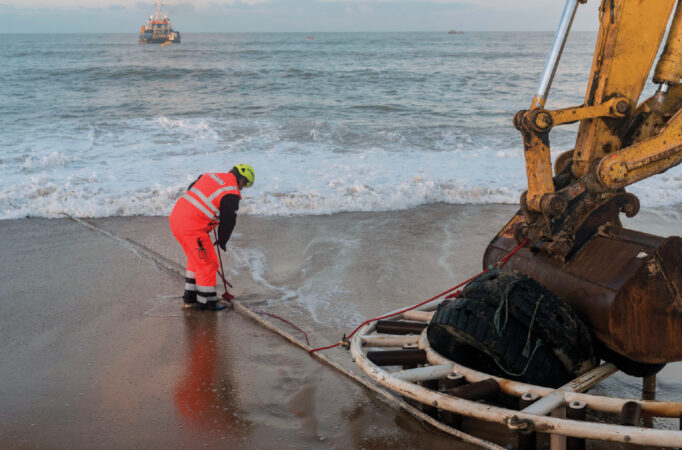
653 267
632 304
544 428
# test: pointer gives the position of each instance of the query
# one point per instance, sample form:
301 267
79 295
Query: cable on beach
171 267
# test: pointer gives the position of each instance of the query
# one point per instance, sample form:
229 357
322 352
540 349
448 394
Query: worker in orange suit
211 200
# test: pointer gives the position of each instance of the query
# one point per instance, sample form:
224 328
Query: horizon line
301 32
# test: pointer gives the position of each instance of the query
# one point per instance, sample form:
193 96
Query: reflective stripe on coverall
194 215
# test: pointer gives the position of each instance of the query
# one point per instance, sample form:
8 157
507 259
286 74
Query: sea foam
351 122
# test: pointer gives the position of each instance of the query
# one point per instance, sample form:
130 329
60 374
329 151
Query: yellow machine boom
626 285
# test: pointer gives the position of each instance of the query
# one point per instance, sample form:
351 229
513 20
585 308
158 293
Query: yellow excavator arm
626 285
631 32
618 143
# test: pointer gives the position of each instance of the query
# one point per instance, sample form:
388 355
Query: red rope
324 348
499 264
286 321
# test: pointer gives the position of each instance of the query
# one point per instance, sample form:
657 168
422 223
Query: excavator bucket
624 284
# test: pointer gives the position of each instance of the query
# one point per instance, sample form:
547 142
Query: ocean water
98 125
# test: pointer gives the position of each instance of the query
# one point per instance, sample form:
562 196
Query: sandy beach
96 351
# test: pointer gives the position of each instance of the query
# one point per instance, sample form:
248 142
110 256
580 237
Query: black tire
464 331
552 319
626 365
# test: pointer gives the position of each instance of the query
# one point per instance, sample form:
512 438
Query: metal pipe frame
541 423
572 391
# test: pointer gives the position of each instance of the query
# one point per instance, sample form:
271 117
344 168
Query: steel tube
558 441
398 327
448 417
527 441
453 380
576 411
630 414
572 390
419 316
389 341
490 413
410 365
430 409
527 399
555 54
424 373
546 405
649 387
397 357
476 391
451 419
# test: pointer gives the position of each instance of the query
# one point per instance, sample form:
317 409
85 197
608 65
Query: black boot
211 306
190 299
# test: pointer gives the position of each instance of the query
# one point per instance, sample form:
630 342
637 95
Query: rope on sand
173 268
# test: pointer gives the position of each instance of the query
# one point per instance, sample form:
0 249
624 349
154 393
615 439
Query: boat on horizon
453 31
159 30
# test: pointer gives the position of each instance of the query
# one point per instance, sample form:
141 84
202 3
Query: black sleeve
190 186
229 205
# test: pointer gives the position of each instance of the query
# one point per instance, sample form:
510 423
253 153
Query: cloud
445 2
228 3
235 3
132 4
358 9
292 15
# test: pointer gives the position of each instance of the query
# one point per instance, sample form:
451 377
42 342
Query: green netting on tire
464 331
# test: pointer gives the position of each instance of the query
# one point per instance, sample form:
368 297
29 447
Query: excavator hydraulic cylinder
555 54
669 67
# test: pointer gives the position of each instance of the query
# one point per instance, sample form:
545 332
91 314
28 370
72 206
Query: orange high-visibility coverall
194 215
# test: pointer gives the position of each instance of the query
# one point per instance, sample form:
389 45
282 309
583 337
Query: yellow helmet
247 172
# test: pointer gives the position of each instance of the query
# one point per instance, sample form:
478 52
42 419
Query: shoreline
667 212
100 347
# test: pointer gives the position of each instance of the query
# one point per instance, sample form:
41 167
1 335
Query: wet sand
96 351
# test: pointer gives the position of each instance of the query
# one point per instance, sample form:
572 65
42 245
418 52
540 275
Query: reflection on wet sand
102 359
205 396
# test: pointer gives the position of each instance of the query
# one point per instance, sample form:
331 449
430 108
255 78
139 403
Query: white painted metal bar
584 382
419 316
490 413
424 373
395 340
546 405
429 306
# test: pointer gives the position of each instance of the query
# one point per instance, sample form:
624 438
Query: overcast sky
121 16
